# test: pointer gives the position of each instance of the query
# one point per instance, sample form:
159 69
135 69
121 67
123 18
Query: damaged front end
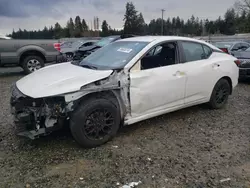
34 117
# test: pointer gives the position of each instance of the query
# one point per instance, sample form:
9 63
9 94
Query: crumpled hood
58 79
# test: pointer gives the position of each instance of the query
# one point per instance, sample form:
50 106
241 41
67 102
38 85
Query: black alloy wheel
95 122
220 94
98 124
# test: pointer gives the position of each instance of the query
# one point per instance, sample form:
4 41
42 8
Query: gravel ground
191 148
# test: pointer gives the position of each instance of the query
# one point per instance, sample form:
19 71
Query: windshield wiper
89 67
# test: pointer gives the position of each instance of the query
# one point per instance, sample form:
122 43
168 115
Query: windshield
224 44
115 55
105 41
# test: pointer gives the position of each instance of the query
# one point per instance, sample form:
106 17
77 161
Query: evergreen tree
130 18
141 24
84 25
78 27
71 27
230 22
57 30
105 28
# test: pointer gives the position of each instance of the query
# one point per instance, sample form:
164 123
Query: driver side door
157 89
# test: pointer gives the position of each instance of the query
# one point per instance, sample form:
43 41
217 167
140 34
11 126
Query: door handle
216 65
179 73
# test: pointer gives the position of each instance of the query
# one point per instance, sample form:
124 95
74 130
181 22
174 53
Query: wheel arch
111 95
229 81
31 53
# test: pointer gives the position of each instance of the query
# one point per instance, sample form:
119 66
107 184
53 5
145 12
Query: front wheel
220 94
95 122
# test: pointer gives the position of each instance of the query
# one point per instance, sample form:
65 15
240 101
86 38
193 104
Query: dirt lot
191 148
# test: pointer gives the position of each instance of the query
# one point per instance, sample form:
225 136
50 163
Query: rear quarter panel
228 67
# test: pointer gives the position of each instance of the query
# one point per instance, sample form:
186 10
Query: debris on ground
131 185
224 180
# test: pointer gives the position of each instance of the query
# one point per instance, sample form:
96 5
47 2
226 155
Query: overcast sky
35 14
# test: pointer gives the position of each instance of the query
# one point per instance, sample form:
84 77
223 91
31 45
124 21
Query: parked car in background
244 63
2 37
229 47
85 51
31 55
68 49
125 82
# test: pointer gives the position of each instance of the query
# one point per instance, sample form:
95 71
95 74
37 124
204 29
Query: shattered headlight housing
15 94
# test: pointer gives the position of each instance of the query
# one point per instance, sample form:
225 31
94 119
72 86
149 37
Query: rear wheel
95 122
32 63
220 94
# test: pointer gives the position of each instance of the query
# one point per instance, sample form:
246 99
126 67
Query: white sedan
125 82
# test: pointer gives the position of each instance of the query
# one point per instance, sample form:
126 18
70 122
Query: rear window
105 41
67 44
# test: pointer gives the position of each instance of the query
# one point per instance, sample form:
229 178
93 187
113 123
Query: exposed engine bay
37 116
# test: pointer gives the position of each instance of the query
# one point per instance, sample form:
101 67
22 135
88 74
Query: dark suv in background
84 51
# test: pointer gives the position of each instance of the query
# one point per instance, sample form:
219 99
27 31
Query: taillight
237 62
57 46
225 50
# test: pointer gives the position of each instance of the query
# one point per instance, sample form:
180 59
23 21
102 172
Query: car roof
166 38
233 42
85 41
159 38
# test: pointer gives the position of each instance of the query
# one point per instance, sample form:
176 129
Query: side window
193 51
85 44
88 43
236 47
244 46
208 51
162 55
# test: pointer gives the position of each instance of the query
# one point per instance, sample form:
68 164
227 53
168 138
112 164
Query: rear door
201 71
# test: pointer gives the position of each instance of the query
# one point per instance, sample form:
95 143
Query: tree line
235 20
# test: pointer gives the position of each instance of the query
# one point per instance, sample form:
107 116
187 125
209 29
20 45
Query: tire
69 57
84 122
220 94
32 63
